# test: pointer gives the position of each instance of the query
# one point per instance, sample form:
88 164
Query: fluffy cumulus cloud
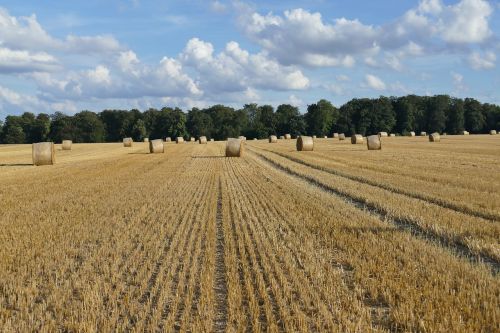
306 38
235 69
486 61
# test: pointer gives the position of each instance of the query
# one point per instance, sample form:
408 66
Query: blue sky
75 55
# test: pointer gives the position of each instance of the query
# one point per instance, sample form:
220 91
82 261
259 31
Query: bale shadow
16 164
215 156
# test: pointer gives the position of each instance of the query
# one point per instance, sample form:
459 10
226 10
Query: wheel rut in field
405 224
220 283
434 201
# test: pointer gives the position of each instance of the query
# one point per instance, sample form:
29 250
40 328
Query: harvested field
339 239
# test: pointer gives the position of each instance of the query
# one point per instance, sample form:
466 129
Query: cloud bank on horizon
235 52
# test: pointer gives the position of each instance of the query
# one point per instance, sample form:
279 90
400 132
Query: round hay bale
465 133
282 137
43 153
423 133
242 138
273 139
325 137
168 139
192 139
305 143
373 142
156 146
392 135
314 137
335 135
341 136
212 140
493 132
255 139
179 139
382 134
288 137
146 140
357 139
234 147
434 137
411 133
203 140
127 142
66 144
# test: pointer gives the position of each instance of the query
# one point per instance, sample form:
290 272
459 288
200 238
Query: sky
69 56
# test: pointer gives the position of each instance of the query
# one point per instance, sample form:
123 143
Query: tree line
440 113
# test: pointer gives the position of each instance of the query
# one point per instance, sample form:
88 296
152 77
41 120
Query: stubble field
340 239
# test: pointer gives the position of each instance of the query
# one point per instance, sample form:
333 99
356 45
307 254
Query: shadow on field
16 164
373 230
215 156
139 153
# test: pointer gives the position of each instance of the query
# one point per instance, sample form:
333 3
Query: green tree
88 127
492 115
227 122
405 110
139 130
199 123
13 130
40 128
437 108
455 117
320 117
383 117
61 127
474 118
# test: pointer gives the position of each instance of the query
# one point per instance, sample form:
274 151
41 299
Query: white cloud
14 61
235 69
301 37
430 6
373 82
99 75
458 83
482 62
12 100
467 22
295 101
343 78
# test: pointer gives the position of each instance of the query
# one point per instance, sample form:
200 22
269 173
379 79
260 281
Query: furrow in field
291 259
220 285
397 275
436 200
454 231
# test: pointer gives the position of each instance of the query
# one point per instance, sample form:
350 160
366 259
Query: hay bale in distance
373 142
179 139
357 139
288 137
314 137
242 138
146 140
156 146
168 139
43 153
382 134
335 135
411 133
212 140
305 143
493 132
273 139
282 137
392 135
127 142
325 137
341 136
202 140
434 137
465 133
66 144
423 133
234 147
